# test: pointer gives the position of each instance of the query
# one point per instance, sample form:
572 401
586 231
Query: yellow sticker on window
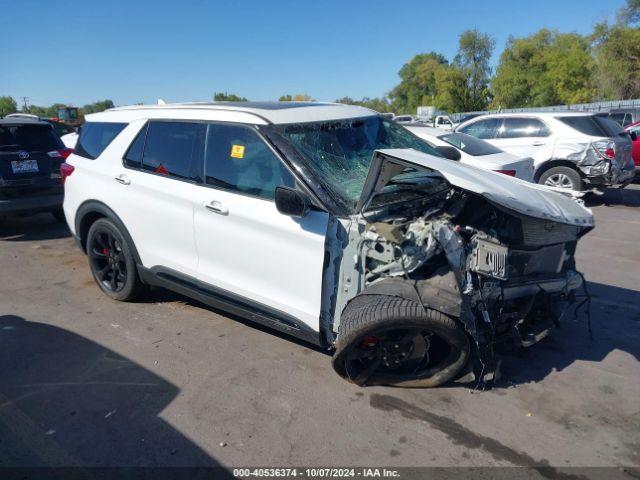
237 151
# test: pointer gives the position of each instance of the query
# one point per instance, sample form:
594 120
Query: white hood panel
523 197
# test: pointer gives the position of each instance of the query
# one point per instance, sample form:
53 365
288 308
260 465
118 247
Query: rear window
95 137
586 125
610 126
33 138
469 145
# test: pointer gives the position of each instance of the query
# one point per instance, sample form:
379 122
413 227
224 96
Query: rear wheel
111 261
386 340
562 177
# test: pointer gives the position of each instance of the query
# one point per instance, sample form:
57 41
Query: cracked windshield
340 152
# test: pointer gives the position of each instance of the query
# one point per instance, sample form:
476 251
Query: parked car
328 222
404 118
570 150
623 116
30 157
443 122
634 131
476 152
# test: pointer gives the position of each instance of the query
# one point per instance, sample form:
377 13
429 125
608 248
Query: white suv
570 150
327 222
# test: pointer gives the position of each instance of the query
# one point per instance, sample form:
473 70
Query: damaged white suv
327 222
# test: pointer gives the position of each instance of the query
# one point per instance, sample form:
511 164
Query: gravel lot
165 381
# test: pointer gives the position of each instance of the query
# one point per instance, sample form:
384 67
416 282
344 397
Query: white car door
155 183
247 248
525 137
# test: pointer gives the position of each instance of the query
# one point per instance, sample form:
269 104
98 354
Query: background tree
227 97
630 13
546 68
378 104
473 60
96 107
7 105
418 82
300 97
616 51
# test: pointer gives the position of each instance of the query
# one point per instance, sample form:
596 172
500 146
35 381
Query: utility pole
25 106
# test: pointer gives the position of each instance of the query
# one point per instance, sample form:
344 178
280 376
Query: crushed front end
503 273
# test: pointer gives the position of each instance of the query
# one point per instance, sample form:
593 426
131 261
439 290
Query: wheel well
85 224
93 210
555 163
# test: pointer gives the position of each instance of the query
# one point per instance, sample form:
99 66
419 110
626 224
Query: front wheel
387 340
111 261
562 177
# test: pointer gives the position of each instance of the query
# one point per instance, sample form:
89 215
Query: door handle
123 179
217 207
537 144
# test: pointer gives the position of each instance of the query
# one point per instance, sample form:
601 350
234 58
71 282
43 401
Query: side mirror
291 202
449 152
633 135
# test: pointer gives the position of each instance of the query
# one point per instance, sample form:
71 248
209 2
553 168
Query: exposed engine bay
505 275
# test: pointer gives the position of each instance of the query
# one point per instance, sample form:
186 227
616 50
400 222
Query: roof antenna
161 102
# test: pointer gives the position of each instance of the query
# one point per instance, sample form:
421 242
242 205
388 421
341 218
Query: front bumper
31 204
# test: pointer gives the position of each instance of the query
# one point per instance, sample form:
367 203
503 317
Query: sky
78 52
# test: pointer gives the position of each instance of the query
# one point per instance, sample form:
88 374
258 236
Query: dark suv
30 157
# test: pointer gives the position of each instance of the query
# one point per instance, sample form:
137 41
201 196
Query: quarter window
133 157
95 137
487 128
173 149
237 159
523 127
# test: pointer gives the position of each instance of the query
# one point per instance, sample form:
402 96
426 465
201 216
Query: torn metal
498 257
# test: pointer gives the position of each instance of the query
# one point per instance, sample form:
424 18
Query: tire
58 214
111 261
563 177
382 317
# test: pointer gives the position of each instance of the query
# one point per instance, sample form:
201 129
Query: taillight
65 171
62 154
511 173
606 149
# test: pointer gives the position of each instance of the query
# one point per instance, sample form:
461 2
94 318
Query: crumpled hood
514 194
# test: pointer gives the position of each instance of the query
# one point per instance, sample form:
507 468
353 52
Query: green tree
546 68
473 61
378 104
95 107
7 105
616 50
630 13
227 97
300 97
417 82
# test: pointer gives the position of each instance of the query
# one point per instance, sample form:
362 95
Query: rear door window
173 149
95 137
32 138
487 128
523 127
237 159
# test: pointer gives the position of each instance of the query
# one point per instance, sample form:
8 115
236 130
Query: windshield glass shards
340 151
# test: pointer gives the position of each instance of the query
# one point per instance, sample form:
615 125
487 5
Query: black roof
22 121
